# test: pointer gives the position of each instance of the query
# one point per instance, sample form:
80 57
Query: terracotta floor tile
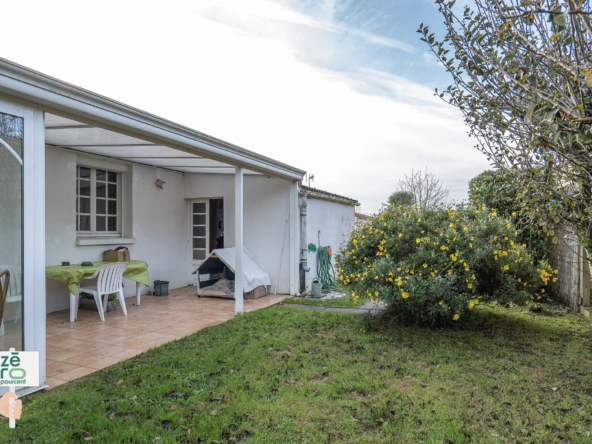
85 358
149 337
76 373
52 348
71 343
172 331
54 331
132 343
54 382
58 367
128 353
148 345
104 362
63 354
113 349
88 346
108 339
82 347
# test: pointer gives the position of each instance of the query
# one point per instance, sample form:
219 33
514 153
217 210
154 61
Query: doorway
207 230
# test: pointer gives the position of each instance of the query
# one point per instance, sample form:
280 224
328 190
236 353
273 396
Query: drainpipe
302 198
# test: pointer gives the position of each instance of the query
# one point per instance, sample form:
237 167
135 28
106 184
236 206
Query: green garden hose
325 270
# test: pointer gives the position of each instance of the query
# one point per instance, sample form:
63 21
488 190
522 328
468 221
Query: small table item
72 275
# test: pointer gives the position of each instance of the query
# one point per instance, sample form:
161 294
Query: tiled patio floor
87 345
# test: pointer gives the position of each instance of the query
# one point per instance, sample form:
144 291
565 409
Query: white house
81 173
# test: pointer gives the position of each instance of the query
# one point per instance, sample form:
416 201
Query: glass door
11 231
200 248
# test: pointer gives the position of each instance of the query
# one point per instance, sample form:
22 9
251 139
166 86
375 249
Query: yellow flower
470 285
376 293
455 317
471 305
441 302
404 295
400 235
419 220
417 240
425 265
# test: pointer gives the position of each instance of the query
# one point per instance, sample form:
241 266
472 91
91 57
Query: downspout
302 201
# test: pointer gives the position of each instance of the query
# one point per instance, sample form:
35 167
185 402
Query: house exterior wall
265 203
332 219
156 218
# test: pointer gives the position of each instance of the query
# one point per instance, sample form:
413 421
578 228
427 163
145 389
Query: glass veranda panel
11 236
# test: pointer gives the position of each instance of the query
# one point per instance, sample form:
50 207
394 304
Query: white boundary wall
332 219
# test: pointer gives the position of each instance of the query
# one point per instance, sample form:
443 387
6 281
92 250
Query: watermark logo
16 369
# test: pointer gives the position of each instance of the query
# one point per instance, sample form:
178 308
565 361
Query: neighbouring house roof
321 194
363 216
81 120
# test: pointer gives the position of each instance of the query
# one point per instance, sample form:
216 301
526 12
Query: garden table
72 275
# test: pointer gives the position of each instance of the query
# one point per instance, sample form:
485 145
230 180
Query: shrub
433 265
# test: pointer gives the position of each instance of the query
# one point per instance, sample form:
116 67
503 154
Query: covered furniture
72 275
219 265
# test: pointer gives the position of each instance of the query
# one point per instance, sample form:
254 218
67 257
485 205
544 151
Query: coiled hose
325 270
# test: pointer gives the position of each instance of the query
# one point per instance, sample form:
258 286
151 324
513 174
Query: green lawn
283 375
346 302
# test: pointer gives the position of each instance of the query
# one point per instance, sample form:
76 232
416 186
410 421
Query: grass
283 375
346 302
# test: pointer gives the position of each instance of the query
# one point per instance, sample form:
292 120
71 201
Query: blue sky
340 88
378 35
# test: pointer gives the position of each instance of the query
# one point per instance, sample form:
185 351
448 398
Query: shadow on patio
87 345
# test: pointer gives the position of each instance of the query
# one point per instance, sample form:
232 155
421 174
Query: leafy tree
426 189
522 72
498 191
401 198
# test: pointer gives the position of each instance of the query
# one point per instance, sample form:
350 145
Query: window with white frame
97 201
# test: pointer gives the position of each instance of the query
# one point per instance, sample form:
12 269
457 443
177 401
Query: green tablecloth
71 275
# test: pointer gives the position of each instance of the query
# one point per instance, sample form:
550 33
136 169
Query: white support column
238 241
294 239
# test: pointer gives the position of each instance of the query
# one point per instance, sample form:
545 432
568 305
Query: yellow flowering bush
432 265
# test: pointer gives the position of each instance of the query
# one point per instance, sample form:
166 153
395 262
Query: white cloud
251 86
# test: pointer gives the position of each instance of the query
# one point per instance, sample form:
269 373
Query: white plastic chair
109 280
14 291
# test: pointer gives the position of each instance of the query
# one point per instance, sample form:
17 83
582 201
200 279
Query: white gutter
70 101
